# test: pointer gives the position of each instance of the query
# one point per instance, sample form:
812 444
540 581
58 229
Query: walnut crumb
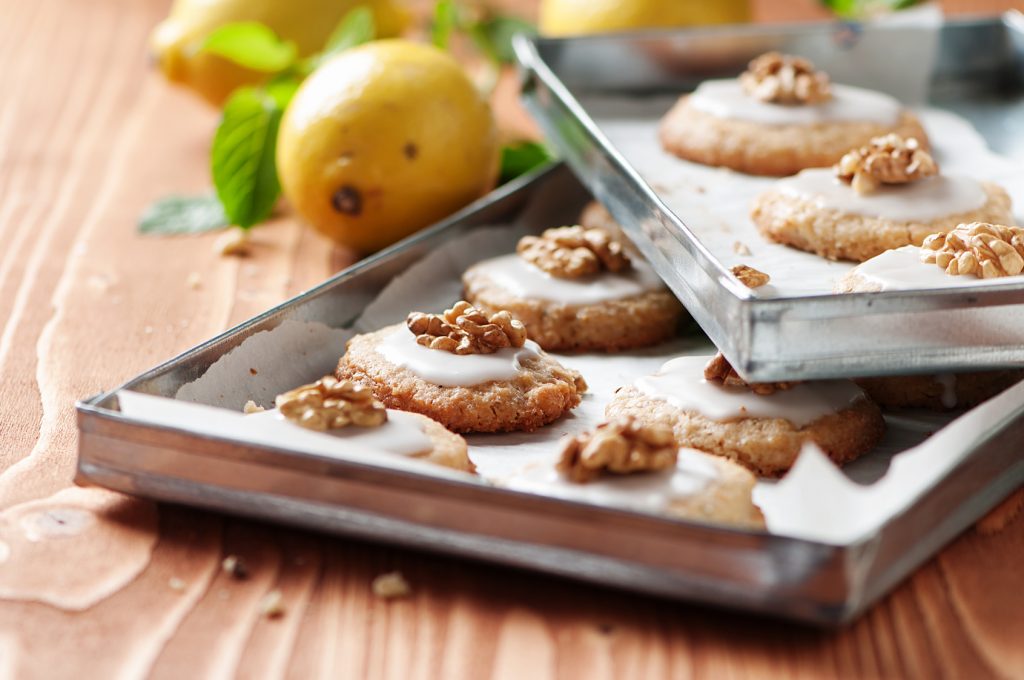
391 585
750 277
233 565
785 79
889 159
233 243
194 281
330 403
464 329
176 583
572 252
619 446
252 407
719 370
985 250
272 605
740 248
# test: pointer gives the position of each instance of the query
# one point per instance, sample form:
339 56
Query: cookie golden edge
448 450
800 223
727 501
769 150
613 326
543 392
767 446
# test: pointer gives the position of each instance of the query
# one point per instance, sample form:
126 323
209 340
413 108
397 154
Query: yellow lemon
176 42
576 17
385 139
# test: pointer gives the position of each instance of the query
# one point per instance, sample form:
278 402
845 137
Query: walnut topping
784 79
464 329
721 371
571 252
984 250
889 159
750 277
329 404
620 446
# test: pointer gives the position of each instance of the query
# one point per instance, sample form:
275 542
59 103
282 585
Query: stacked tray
918 501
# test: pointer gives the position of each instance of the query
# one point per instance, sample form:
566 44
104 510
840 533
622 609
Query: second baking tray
978 73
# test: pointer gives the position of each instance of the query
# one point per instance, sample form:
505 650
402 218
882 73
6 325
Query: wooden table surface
96 584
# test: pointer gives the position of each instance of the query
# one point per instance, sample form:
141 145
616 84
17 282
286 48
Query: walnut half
889 159
985 250
572 252
330 403
619 446
719 370
784 79
464 329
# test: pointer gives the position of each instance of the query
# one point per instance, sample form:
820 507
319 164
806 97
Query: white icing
902 269
726 99
923 200
648 491
948 382
523 280
453 370
681 383
401 434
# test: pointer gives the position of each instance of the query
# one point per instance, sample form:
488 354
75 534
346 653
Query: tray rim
744 308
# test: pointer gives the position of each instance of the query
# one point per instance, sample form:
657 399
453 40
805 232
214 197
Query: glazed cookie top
682 383
693 473
461 347
573 266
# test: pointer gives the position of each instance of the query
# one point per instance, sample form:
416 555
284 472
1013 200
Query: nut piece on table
785 79
572 252
985 250
330 403
619 446
719 370
889 159
750 277
464 329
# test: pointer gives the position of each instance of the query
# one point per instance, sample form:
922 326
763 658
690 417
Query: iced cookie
779 117
885 195
577 289
350 413
469 371
627 463
969 255
943 392
762 425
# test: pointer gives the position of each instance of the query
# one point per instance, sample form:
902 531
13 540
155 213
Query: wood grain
88 136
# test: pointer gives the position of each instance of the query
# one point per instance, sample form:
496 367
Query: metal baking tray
979 73
750 570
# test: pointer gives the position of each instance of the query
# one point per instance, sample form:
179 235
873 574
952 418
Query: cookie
816 213
700 488
944 392
763 432
903 269
514 388
570 306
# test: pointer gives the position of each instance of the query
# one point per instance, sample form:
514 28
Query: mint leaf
355 28
242 157
252 45
521 157
183 215
446 20
493 36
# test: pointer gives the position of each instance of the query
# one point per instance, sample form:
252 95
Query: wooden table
98 584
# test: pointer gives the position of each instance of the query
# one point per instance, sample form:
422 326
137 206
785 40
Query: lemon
385 139
575 17
176 42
